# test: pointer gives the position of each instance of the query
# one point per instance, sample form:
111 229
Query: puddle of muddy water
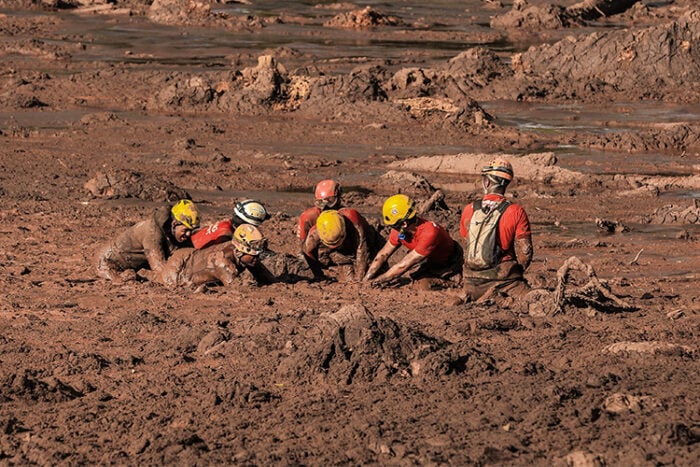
594 118
682 262
137 40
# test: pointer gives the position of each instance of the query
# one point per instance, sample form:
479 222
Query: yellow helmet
185 212
248 240
331 228
398 208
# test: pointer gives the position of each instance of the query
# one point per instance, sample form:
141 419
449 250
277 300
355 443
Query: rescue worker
149 243
327 195
248 211
221 263
496 261
432 252
341 238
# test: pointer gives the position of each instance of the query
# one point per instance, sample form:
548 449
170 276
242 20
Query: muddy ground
600 367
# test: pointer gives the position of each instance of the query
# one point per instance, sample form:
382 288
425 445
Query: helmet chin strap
484 185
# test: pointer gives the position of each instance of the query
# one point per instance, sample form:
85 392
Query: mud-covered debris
284 267
212 340
199 13
581 459
532 18
673 138
609 226
27 386
185 92
362 19
633 62
351 345
577 287
131 184
620 403
537 18
650 347
409 183
263 83
675 214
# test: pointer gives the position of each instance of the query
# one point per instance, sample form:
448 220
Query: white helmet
250 212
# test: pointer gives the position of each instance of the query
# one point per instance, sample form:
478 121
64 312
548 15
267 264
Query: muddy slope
598 365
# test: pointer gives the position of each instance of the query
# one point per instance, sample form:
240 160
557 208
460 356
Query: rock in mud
650 347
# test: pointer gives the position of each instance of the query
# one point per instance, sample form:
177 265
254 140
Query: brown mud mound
132 184
198 13
675 138
536 166
352 346
653 62
362 19
536 18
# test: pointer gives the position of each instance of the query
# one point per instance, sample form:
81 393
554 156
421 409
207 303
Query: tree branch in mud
593 294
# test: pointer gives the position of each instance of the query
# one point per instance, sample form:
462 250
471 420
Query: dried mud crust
597 366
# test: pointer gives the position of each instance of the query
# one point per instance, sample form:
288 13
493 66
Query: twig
634 261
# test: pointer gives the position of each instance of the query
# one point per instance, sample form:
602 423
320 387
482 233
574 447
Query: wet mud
111 109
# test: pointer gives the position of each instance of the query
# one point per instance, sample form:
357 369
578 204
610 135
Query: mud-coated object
212 234
248 240
500 168
398 208
185 212
331 228
483 252
250 212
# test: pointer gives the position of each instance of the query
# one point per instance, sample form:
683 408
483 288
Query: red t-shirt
429 240
306 221
354 222
512 225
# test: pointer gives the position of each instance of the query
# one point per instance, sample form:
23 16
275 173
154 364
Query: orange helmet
327 194
499 171
331 228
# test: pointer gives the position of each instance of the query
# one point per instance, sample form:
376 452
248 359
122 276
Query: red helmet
327 194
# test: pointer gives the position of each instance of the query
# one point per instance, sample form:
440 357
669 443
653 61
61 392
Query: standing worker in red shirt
341 238
326 196
498 240
431 248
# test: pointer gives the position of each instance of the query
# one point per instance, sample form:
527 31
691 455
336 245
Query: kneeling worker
248 211
219 263
341 238
498 240
431 248
149 243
